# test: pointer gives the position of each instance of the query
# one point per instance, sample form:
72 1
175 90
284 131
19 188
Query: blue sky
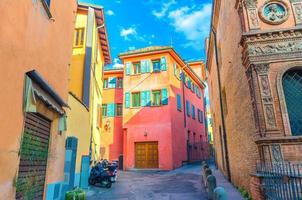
133 24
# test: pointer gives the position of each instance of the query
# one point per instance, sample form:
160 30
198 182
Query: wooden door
33 157
146 155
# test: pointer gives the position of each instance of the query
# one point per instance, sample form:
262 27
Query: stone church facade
255 79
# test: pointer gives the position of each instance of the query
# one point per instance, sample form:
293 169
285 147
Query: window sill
77 47
47 9
112 88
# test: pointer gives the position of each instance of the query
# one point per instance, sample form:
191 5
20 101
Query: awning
36 88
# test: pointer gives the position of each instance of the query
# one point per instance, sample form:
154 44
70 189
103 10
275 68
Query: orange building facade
35 57
112 115
163 113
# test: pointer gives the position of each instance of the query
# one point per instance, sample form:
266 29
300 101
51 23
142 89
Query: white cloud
193 23
117 64
165 7
110 12
126 32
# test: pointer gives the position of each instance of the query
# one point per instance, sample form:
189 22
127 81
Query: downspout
183 95
221 107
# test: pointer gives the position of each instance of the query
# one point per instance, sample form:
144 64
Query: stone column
266 96
297 10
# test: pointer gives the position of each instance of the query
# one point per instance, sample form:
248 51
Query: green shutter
175 69
178 102
148 64
143 66
163 63
128 66
127 100
189 83
110 110
148 98
143 98
164 96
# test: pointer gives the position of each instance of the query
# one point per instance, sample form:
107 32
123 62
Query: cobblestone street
180 184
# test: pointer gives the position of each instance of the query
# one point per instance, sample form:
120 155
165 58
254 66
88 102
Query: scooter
100 175
112 169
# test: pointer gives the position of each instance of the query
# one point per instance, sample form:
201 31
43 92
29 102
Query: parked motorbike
112 169
99 174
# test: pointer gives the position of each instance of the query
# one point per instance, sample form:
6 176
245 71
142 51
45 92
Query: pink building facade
163 115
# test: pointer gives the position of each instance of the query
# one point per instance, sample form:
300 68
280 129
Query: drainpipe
221 107
183 96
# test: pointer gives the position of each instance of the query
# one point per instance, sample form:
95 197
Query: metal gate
33 157
281 181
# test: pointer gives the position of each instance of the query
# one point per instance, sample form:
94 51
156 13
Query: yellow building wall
90 131
96 93
78 126
78 59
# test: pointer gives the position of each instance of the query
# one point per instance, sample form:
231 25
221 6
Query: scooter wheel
91 181
109 184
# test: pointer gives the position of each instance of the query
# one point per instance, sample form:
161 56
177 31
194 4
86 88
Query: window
292 87
137 68
178 102
188 108
119 109
156 98
136 99
119 82
79 37
193 87
156 65
193 112
104 110
47 3
105 83
112 82
200 116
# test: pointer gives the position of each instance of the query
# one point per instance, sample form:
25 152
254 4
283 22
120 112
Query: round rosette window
274 12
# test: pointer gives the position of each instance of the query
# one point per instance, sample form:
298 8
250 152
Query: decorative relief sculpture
276 153
274 12
297 10
270 116
250 3
266 95
251 7
275 48
265 85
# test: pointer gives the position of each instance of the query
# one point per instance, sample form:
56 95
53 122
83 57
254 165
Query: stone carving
262 68
253 18
275 48
251 7
276 153
274 12
265 87
297 10
270 116
262 71
250 3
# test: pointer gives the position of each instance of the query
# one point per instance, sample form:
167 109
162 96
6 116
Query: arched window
292 86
